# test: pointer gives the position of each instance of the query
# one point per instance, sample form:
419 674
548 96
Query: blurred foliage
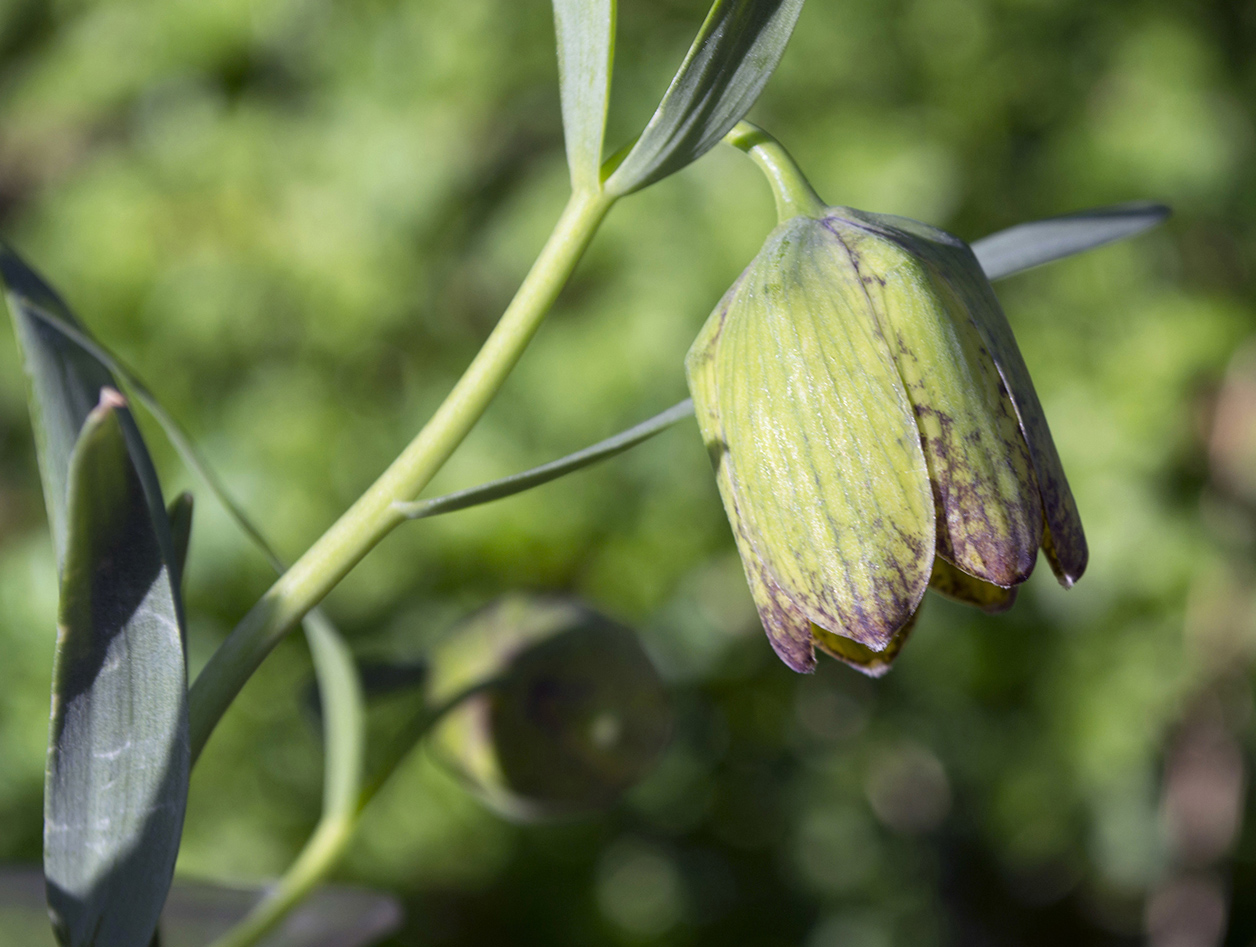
298 218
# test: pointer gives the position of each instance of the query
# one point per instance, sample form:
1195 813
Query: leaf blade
118 761
1025 246
63 381
585 30
536 476
734 54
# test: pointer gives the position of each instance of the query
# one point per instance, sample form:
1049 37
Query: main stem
373 516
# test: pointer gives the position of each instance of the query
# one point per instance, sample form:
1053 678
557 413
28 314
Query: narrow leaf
1028 245
586 51
344 717
117 777
69 330
729 63
50 323
64 382
180 516
517 483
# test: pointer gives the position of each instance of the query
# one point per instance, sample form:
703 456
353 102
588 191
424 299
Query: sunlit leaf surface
118 760
728 65
586 47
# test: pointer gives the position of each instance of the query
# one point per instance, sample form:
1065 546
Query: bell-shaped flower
874 433
558 709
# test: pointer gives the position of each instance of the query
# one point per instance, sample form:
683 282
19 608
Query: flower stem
374 515
317 858
794 194
334 833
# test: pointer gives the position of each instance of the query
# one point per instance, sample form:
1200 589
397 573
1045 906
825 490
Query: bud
874 432
569 713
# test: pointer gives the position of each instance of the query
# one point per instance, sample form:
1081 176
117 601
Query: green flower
565 709
874 432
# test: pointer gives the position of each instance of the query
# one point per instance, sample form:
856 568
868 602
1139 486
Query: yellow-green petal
815 445
872 663
954 584
988 506
1063 540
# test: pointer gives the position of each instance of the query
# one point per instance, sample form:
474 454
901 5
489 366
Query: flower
875 432
559 710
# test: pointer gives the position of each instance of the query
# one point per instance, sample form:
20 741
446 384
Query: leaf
344 717
64 381
109 850
197 912
586 51
517 483
731 59
1028 245
344 742
64 327
180 516
117 778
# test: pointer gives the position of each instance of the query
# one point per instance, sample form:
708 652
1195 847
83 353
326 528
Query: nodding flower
874 433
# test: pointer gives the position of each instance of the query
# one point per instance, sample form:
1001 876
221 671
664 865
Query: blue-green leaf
64 382
729 63
1024 246
586 50
180 515
116 784
344 743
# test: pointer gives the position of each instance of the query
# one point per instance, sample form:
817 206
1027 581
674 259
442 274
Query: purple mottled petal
861 658
821 454
949 581
989 513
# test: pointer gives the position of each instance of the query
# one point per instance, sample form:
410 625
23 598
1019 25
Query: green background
299 218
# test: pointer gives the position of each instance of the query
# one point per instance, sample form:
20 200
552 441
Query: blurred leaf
586 53
118 762
566 710
119 685
180 515
729 63
517 483
344 713
64 382
1025 246
197 912
61 327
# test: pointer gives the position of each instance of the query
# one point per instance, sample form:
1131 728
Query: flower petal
788 629
988 506
1064 542
872 663
818 456
951 582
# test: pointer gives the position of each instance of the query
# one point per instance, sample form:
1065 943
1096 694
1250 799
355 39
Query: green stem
793 192
374 515
322 852
332 836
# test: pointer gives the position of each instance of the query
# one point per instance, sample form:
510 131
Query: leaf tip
110 399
